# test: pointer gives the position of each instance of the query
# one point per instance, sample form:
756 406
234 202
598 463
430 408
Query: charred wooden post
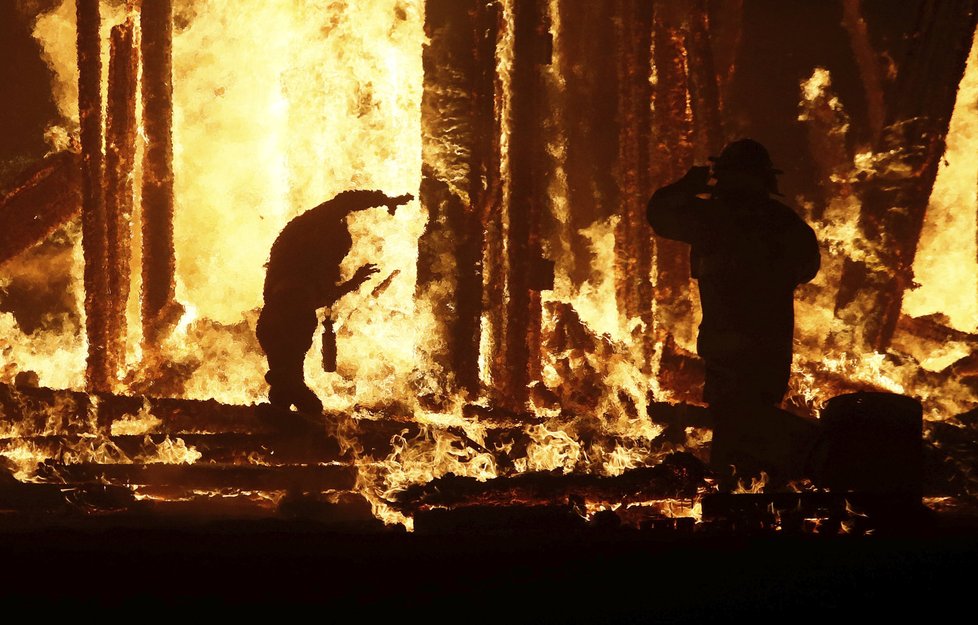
516 362
302 478
458 120
43 198
704 90
866 59
94 240
896 193
589 68
726 29
160 309
485 180
672 155
120 161
633 245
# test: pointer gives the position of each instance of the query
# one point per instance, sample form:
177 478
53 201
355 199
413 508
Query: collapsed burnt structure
542 130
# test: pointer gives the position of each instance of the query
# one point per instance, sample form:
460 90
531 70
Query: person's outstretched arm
358 199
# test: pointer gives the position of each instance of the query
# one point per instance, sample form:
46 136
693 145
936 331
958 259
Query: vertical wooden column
589 66
120 157
458 124
672 155
517 363
160 310
726 33
633 243
867 60
895 195
485 196
94 242
704 90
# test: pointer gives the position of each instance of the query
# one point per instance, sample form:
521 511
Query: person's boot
305 400
287 393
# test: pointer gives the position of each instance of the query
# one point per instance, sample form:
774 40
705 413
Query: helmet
745 155
748 156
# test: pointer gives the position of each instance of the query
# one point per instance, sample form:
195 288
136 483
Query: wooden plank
268 450
302 478
633 243
679 477
44 197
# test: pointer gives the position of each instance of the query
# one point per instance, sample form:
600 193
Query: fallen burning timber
72 453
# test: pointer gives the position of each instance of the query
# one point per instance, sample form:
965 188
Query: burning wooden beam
588 66
160 309
516 361
46 196
704 89
868 63
458 118
726 32
120 161
897 190
267 450
94 241
311 478
678 477
672 155
633 244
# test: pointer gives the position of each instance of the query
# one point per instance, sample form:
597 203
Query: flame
175 451
432 453
258 141
330 101
756 486
143 422
945 263
55 352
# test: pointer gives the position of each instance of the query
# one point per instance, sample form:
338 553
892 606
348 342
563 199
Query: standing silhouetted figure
749 252
303 275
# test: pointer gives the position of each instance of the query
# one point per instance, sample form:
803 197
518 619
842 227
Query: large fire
278 106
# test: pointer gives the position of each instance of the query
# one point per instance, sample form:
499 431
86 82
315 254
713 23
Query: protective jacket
748 254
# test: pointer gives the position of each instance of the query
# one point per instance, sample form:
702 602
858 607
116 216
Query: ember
526 354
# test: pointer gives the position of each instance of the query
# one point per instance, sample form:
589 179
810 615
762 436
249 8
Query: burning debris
533 343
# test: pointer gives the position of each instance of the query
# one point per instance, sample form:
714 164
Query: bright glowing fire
330 100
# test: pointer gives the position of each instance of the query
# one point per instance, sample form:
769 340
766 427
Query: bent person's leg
285 334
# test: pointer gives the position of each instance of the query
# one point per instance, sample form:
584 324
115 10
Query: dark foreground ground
178 568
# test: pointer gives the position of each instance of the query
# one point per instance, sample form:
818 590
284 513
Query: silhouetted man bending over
749 252
303 276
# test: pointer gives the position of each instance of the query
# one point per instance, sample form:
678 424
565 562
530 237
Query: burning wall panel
460 184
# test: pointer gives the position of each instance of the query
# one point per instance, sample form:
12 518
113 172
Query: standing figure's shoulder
784 213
